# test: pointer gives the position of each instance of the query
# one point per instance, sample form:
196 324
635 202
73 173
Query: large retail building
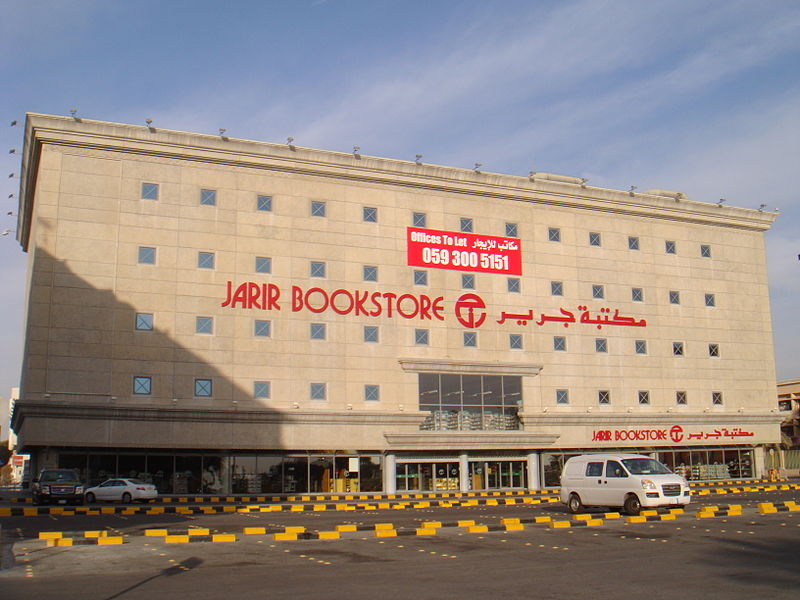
221 315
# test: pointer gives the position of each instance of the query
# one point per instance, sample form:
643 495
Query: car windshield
59 476
645 466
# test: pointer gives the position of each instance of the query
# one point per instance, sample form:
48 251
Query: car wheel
574 504
632 505
90 498
126 498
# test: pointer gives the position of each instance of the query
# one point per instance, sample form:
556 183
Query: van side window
594 469
614 469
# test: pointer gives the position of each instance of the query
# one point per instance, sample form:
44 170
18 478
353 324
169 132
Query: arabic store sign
675 434
435 249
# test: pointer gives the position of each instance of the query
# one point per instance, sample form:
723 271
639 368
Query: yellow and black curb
766 508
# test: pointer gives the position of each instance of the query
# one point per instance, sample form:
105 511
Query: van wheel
574 504
632 505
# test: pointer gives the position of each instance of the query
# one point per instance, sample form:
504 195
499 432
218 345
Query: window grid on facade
512 230
370 334
640 346
562 396
208 197
143 322
554 234
149 191
557 288
420 277
317 208
713 350
142 386
670 247
421 337
205 260
466 225
716 398
317 331
515 341
372 392
644 397
419 220
601 345
680 397
264 203
637 294
633 242
677 348
204 325
467 282
261 389
147 255
705 251
203 387
263 264
317 269
369 214
604 397
710 300
262 328
470 339
318 391
559 343
674 297
598 292
370 273
513 285
594 239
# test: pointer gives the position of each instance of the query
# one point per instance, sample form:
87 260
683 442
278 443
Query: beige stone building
215 314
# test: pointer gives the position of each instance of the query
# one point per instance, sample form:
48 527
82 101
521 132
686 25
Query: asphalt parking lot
720 555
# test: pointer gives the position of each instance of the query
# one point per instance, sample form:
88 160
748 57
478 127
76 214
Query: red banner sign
434 249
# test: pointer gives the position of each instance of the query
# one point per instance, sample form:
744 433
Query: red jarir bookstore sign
463 251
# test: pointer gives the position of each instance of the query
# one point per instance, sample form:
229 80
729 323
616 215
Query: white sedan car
125 490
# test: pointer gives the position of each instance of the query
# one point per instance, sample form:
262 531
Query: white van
630 481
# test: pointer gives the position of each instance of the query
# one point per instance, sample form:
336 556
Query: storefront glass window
320 474
101 467
188 474
161 468
371 473
270 473
295 474
131 465
213 478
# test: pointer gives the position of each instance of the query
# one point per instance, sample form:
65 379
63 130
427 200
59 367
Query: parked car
125 490
57 485
629 481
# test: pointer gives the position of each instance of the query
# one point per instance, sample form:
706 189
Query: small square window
264 203
317 208
705 251
317 269
466 225
204 325
512 230
372 393
680 397
554 234
262 328
420 277
600 345
144 322
637 294
674 297
208 197
421 337
203 387
370 334
142 386
713 350
370 214
711 300
470 339
513 285
604 397
562 396
370 273
559 343
317 331
149 191
515 341
419 219
677 348
716 398
598 292
318 391
594 239
205 260
556 288
670 247
640 346
147 256
644 397
467 282
633 243
261 389
263 264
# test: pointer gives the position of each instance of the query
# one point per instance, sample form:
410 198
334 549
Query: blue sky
697 96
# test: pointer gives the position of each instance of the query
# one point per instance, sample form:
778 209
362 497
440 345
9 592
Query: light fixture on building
74 113
678 196
401 407
630 409
349 407
721 201
583 182
356 150
150 125
295 405
222 131
531 175
669 409
418 159
761 207
633 189
741 409
477 167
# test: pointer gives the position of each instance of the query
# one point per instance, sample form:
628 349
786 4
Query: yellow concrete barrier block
254 531
385 533
612 515
198 531
155 533
425 504
5 512
765 505
59 542
223 537
50 535
514 521
329 535
176 539
767 510
384 505
113 540
514 527
228 509
648 513
346 528
469 523
284 537
636 519
668 517
676 511
275 508
594 522
153 510
583 517
511 501
431 524
705 515
294 529
477 529
297 508
426 531
30 512
95 534
559 524
543 519
383 526
368 506
491 502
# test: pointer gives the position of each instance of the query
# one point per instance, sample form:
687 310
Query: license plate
62 501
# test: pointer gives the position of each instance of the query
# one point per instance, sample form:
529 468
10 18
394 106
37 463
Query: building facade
221 315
